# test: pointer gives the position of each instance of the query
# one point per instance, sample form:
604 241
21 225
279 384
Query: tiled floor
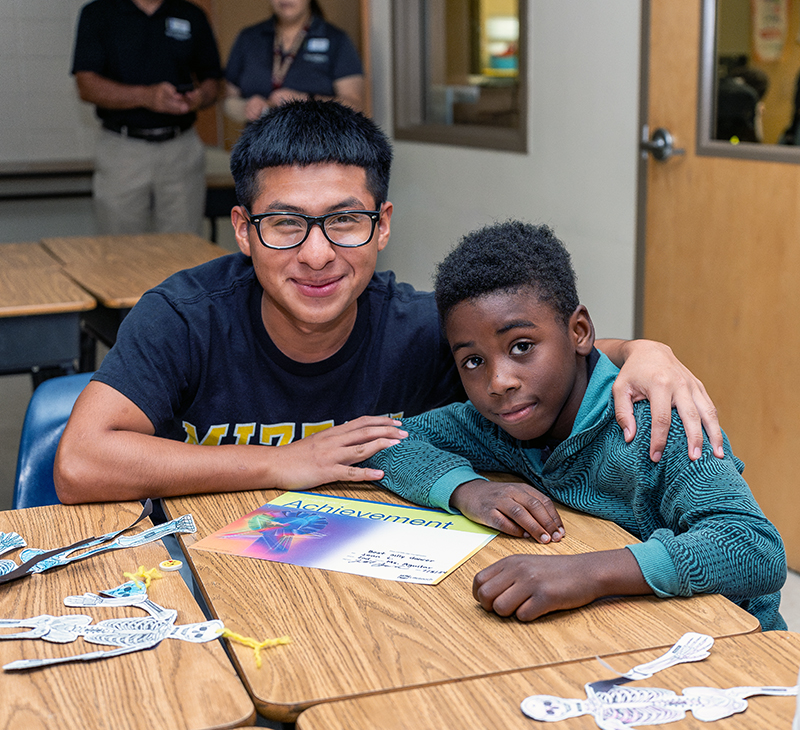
15 390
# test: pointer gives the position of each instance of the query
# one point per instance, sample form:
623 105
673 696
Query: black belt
149 134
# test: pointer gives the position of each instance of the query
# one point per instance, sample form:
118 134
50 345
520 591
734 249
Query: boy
541 406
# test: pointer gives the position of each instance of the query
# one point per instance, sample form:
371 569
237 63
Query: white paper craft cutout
37 561
38 556
691 647
9 541
128 634
180 524
618 708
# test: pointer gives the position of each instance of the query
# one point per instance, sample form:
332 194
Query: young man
540 405
295 343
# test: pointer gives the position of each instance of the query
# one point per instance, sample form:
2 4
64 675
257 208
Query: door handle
660 145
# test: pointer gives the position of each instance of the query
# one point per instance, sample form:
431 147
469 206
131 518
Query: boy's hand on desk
533 585
516 509
329 455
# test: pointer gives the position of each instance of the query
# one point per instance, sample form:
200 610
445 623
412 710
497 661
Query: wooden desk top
771 658
32 282
117 270
175 685
353 635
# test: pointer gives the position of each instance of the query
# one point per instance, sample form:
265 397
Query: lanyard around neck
281 62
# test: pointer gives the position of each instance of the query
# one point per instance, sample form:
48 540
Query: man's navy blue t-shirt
194 355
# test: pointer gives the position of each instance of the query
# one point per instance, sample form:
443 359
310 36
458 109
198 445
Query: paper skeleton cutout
9 541
38 561
690 647
623 707
181 524
618 708
128 634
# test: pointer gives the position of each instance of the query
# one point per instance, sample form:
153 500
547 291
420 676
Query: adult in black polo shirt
295 54
147 66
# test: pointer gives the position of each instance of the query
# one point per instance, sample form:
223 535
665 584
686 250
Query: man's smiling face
315 285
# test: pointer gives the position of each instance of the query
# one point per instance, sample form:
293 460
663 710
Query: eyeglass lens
347 229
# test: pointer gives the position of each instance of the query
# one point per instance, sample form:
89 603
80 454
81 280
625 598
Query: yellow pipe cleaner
143 576
256 646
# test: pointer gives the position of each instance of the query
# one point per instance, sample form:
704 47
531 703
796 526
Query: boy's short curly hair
506 257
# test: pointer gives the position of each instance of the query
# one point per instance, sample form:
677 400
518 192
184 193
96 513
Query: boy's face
316 284
522 368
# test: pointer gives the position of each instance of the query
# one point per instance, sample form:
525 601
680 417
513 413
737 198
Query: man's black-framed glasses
346 228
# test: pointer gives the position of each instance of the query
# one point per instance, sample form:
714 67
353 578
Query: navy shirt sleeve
89 54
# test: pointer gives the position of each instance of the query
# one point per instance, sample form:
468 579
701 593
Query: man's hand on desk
109 453
533 585
516 509
329 455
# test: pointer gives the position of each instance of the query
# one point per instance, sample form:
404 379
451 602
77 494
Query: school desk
771 658
117 270
175 685
354 636
40 311
220 191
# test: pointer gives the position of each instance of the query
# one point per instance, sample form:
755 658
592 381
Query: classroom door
722 273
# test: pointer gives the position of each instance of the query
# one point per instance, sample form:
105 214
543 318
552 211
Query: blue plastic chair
47 414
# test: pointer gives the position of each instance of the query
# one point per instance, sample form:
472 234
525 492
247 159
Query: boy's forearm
531 586
613 573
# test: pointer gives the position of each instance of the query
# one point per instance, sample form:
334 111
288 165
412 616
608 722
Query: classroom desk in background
220 191
769 659
40 311
353 636
73 178
174 686
117 270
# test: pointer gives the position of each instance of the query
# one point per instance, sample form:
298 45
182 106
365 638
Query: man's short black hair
507 257
307 133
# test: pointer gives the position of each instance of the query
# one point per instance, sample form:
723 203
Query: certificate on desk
388 541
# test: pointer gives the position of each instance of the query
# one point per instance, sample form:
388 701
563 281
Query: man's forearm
124 466
209 92
109 453
104 92
615 350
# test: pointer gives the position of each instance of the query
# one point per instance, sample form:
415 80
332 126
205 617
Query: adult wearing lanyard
294 54
147 66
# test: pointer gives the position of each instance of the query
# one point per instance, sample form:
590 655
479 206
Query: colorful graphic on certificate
356 536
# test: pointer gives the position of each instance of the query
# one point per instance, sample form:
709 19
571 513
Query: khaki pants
141 186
